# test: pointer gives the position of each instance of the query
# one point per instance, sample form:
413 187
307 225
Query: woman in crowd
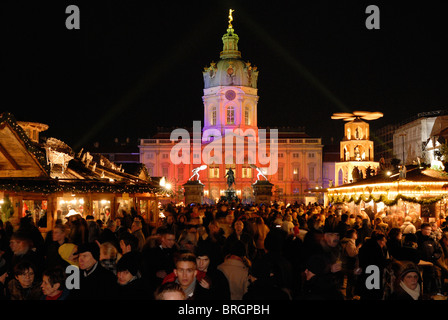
408 282
24 285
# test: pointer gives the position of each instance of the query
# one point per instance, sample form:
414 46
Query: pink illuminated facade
230 102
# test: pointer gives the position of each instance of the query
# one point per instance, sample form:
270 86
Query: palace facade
292 160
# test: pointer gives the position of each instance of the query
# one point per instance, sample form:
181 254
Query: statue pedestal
262 191
230 195
194 192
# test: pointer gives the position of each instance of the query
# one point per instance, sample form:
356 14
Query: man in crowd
158 261
95 281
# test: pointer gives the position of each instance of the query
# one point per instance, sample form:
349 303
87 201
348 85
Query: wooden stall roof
25 166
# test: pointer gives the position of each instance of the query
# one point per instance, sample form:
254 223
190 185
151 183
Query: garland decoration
382 198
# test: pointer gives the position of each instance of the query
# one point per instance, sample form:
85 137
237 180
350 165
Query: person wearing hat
129 284
95 282
331 249
408 282
67 252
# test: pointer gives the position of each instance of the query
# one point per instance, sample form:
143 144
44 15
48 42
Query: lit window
214 172
213 116
230 115
246 173
295 174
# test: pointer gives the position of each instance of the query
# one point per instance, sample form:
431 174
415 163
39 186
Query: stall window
99 208
65 204
143 205
37 210
153 211
124 206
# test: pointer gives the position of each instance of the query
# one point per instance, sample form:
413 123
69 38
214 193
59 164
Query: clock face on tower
230 94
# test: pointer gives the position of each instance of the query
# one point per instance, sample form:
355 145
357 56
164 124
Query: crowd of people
227 251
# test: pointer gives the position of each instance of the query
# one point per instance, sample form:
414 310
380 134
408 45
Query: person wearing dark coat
274 244
129 285
28 227
342 226
394 241
263 284
363 228
3 275
430 250
214 279
372 252
158 261
239 234
96 282
52 256
408 251
21 250
108 234
215 241
317 285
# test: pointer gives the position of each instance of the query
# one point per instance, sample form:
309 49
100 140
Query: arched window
230 115
340 177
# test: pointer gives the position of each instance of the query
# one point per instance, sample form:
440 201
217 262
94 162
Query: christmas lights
382 198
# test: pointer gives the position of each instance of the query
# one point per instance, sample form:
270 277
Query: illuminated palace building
230 103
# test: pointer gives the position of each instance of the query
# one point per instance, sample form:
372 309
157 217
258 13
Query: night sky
137 65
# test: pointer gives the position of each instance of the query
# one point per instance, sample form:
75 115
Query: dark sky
136 65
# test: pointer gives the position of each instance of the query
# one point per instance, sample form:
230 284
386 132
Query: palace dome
230 70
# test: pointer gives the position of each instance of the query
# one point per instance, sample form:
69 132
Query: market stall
415 191
44 181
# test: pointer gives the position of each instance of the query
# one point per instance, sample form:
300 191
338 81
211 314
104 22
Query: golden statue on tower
230 18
